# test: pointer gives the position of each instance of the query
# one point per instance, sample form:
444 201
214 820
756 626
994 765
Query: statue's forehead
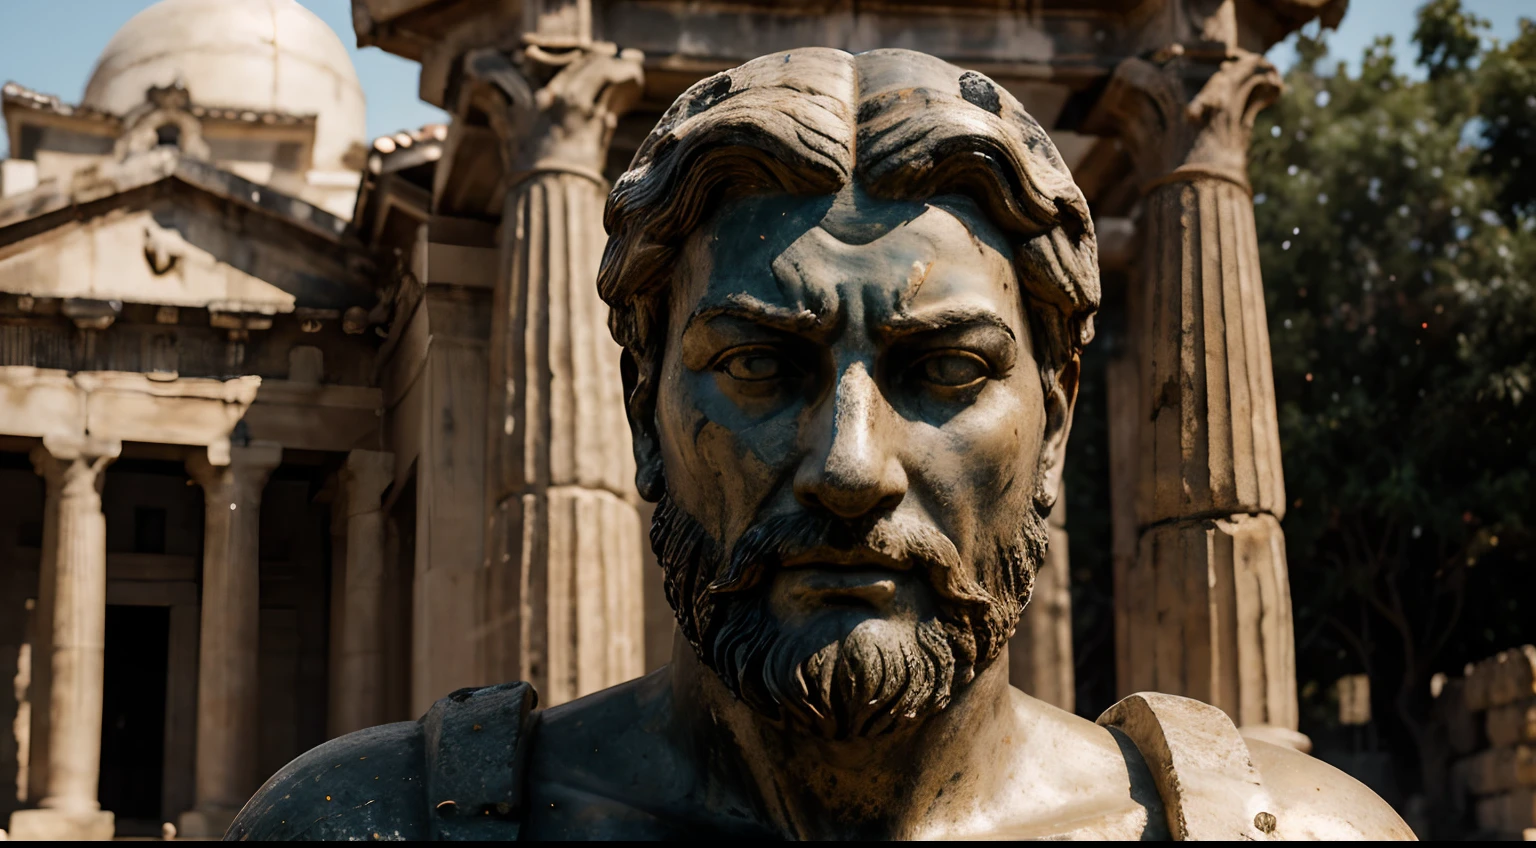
807 252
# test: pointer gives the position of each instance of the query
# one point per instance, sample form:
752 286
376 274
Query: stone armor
458 774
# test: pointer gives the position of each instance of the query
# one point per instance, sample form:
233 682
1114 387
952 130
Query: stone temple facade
300 433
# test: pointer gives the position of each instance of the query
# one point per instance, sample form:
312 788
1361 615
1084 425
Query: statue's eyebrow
745 307
943 319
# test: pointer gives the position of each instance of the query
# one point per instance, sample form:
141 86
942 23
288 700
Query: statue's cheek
993 449
750 455
736 474
757 434
719 451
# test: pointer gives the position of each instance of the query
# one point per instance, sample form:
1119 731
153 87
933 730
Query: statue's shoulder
1317 801
603 767
457 773
362 783
1217 784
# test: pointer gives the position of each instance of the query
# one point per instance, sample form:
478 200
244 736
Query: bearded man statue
851 292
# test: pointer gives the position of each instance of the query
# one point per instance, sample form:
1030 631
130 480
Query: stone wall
1489 719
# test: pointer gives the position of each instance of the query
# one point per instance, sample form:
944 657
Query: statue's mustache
820 670
905 541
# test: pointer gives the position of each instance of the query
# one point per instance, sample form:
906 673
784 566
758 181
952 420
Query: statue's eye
953 369
754 365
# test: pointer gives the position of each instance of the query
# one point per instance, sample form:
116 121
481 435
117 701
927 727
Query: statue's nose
852 468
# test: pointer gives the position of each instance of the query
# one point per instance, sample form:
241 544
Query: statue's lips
844 559
826 574
835 583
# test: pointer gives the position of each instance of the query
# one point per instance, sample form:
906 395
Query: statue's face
850 419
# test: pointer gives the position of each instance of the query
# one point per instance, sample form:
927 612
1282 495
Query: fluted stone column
1040 652
1207 602
564 577
225 774
360 673
69 807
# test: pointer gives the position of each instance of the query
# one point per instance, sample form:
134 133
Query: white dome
264 55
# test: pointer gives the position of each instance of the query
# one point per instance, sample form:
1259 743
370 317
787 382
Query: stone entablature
42 403
166 342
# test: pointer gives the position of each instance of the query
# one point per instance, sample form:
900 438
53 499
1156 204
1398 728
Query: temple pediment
172 231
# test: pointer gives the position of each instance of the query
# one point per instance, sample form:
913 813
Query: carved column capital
1185 117
241 480
74 465
47 467
558 107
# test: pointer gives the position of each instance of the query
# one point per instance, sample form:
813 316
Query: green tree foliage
1448 38
1397 230
1507 87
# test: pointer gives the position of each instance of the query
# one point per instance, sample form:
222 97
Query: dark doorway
133 717
148 530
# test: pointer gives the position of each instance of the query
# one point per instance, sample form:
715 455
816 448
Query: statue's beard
830 678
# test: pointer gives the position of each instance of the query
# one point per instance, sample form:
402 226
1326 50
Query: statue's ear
640 407
1060 400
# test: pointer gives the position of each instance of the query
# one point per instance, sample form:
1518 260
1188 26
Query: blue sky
51 45
1367 19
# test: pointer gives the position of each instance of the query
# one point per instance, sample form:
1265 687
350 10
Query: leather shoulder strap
1202 767
476 743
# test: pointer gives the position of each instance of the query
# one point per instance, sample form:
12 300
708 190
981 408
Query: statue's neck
919 782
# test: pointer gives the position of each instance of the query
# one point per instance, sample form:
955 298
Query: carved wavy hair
905 125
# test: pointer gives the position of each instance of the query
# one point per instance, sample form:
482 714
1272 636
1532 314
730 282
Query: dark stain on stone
712 92
979 92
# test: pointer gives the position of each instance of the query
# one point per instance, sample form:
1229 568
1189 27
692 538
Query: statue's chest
567 814
1128 823
560 812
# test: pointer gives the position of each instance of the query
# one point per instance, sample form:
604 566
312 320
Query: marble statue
851 291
